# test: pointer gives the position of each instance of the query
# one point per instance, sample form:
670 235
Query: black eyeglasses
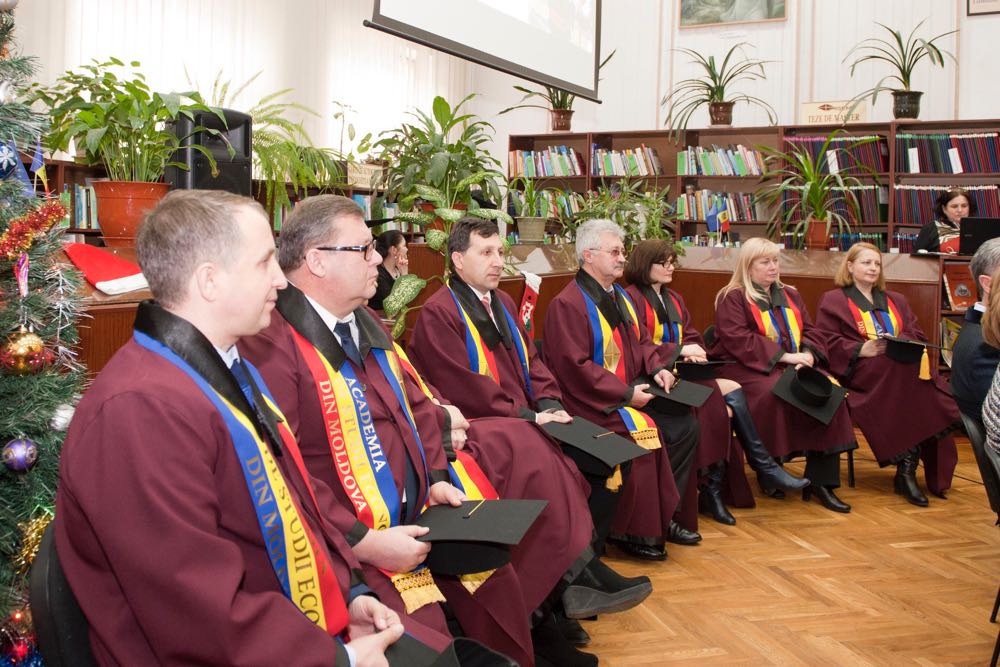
366 248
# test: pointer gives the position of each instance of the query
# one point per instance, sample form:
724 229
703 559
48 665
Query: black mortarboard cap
905 350
594 449
693 370
679 400
810 391
462 652
476 536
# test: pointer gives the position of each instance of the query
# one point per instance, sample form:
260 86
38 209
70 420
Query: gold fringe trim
614 483
417 589
647 438
473 581
925 366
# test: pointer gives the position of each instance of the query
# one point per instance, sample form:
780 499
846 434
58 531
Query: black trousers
681 434
823 468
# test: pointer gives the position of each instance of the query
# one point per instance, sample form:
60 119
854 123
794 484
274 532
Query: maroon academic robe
649 497
717 442
495 615
886 395
784 429
158 537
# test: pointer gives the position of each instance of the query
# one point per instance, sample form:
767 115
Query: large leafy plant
117 121
640 212
555 98
715 84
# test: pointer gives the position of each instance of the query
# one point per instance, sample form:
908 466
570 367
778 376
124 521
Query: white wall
320 49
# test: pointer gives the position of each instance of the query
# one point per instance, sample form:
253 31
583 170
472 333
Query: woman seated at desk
762 325
392 246
941 234
904 410
650 269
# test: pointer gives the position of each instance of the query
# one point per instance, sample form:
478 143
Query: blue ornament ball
20 455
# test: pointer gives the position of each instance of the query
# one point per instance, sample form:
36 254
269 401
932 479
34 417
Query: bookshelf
901 199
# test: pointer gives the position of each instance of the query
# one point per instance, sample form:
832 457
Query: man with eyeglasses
597 351
326 357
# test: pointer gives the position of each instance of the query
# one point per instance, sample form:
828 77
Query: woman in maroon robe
763 326
885 394
663 313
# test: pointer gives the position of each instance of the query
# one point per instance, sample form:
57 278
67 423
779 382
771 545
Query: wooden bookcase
772 136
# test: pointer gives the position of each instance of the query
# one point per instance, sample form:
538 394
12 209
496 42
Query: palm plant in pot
118 122
642 214
531 208
807 198
714 89
903 55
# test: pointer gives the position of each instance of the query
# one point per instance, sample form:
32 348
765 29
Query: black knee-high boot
905 482
769 473
710 495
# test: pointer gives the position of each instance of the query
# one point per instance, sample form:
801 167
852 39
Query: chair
989 469
61 628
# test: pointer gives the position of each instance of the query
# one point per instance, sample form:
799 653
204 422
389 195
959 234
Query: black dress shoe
571 630
678 534
601 590
640 551
826 497
552 648
771 492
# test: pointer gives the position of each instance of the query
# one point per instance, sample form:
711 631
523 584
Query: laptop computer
974 232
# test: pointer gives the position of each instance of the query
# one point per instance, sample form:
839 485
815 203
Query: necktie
486 305
243 378
343 331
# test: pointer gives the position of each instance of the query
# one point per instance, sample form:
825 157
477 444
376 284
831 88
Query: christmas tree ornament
22 230
20 455
25 353
8 153
31 538
62 417
8 5
7 92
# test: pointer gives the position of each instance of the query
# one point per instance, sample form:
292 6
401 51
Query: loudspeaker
235 171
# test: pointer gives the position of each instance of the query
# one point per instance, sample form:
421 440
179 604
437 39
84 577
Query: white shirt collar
230 356
979 306
481 295
329 318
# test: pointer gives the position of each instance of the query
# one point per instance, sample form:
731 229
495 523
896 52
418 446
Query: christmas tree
40 378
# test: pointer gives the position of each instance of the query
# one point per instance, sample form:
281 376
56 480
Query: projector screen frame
466 52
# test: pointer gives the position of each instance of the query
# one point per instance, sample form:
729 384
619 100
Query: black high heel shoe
826 497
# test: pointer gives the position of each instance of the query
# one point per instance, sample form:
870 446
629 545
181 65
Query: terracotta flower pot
906 103
561 119
721 113
818 236
121 206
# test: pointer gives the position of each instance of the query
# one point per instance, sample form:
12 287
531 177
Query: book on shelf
949 334
954 153
915 203
904 241
731 160
556 202
739 207
873 202
638 161
844 154
551 161
844 240
959 286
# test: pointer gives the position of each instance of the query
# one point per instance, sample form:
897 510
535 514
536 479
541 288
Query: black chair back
61 628
708 335
987 460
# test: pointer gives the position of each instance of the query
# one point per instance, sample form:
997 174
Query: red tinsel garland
22 230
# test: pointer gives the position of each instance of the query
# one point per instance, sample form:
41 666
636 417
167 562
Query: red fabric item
107 272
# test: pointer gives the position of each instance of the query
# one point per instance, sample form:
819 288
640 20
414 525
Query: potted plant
804 197
118 122
715 89
559 103
640 213
903 56
531 208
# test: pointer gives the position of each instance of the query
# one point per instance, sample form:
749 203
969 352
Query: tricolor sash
660 333
876 323
311 583
608 353
481 357
767 323
362 467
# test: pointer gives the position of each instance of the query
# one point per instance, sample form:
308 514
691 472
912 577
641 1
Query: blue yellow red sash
608 353
659 333
767 323
481 358
362 467
875 323
286 534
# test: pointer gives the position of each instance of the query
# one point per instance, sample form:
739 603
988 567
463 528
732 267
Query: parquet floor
795 584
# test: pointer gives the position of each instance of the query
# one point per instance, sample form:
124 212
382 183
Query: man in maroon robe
327 255
649 497
156 526
520 390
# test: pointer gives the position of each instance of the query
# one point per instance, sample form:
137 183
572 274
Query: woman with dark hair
392 246
883 393
941 234
763 326
661 310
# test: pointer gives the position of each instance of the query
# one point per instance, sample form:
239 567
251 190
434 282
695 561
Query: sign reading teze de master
824 113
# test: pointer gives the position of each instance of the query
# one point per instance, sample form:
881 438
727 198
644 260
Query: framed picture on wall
701 13
977 7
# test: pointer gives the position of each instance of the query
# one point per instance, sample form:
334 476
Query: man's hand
558 416
443 493
394 549
873 348
369 651
665 379
694 352
640 396
368 616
